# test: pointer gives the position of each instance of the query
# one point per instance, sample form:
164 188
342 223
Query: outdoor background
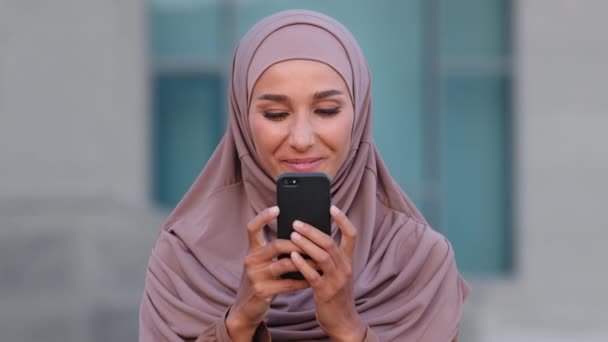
491 114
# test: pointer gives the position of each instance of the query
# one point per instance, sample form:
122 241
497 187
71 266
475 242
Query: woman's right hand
260 281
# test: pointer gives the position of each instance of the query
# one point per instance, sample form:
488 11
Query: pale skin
301 118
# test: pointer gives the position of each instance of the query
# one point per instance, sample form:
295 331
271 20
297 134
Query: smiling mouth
303 165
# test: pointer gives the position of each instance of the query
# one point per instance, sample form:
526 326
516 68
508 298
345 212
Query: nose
302 135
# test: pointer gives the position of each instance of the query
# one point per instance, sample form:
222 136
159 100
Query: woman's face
301 117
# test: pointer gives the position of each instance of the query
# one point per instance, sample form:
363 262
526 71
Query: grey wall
558 292
72 104
75 233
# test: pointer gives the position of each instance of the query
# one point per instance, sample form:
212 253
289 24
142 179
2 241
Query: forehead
299 74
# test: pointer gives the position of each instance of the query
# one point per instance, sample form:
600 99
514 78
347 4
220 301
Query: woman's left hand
333 291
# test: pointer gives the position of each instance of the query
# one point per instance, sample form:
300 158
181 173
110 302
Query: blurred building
490 113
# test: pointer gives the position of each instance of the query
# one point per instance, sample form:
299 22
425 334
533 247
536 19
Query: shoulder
231 189
204 232
412 234
221 207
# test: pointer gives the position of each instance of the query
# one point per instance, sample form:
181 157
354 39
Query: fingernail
274 210
295 236
334 210
297 224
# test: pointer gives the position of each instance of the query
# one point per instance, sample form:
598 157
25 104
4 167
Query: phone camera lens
290 181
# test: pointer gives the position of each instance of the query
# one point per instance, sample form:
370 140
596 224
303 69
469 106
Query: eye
275 116
328 111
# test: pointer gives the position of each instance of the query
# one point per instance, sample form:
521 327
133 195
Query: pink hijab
406 284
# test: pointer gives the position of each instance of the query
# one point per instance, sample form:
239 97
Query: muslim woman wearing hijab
299 101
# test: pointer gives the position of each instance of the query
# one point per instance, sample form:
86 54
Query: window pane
475 133
474 30
476 171
186 30
187 129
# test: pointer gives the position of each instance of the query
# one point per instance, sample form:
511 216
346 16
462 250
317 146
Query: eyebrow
317 96
326 93
273 97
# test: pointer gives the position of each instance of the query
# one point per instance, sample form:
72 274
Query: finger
254 227
313 234
271 288
323 258
314 279
271 270
275 269
349 233
271 250
280 267
293 268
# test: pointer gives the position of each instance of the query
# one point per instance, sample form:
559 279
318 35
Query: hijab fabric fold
406 284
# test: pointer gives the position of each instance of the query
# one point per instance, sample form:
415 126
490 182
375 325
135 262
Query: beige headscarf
406 284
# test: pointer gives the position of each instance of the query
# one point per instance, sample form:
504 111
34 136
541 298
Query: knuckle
279 244
348 271
341 284
327 244
324 259
250 274
275 246
315 281
352 233
272 267
285 264
334 249
251 226
249 262
258 290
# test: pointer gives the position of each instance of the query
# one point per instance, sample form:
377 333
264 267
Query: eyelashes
328 111
324 112
275 116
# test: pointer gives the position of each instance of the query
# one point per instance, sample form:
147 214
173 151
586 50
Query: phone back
304 197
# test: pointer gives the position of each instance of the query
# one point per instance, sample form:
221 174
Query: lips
303 164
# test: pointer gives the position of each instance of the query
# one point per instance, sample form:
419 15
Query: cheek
267 136
337 135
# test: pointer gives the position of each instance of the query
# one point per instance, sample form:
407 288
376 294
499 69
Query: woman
299 101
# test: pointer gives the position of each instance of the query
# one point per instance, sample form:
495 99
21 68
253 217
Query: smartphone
304 197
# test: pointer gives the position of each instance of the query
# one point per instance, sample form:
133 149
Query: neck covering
406 285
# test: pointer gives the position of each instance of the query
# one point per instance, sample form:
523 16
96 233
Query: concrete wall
558 291
75 233
72 270
72 99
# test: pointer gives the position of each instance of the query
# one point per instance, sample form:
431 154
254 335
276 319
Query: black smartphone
304 197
